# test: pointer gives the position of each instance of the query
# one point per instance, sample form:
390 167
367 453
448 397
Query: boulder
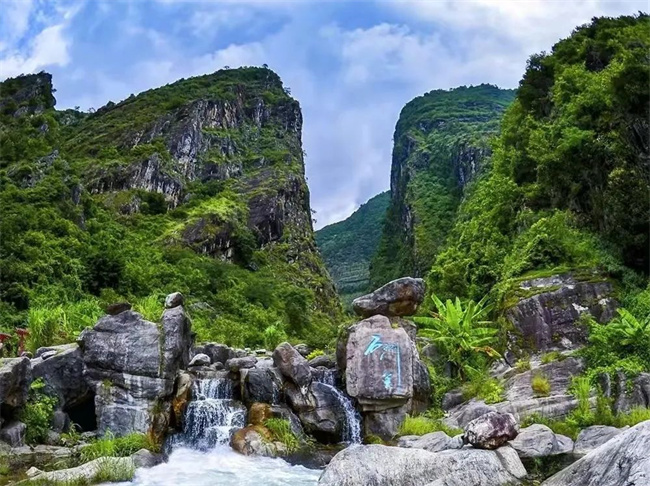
260 385
462 415
63 374
318 409
623 460
553 407
593 437
15 379
452 399
540 441
379 465
181 398
378 363
385 423
303 349
200 360
292 365
491 431
432 442
258 413
174 300
550 318
255 440
219 353
236 364
132 364
87 473
322 361
60 421
13 434
400 297
117 308
421 388
145 458
558 373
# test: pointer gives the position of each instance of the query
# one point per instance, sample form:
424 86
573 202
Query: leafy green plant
37 413
281 431
151 307
461 331
522 365
111 446
422 425
552 356
315 353
540 385
483 387
274 335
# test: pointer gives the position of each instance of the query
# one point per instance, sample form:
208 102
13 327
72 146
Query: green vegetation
348 246
552 356
315 353
37 413
483 387
281 431
441 140
111 446
461 332
80 232
540 385
424 425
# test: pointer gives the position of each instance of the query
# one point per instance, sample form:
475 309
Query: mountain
348 246
441 143
197 186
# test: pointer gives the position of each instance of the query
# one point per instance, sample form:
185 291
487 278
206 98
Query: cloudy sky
352 65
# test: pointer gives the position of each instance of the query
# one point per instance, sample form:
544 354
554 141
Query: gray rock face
303 349
132 364
62 373
260 385
540 441
386 423
558 373
323 360
550 318
622 461
236 364
379 465
319 410
145 458
292 365
554 407
593 437
400 297
462 415
13 434
15 379
219 353
200 360
378 364
433 442
491 431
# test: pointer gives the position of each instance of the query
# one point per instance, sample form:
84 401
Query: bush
151 308
111 446
274 335
315 353
483 387
552 356
37 413
540 386
522 365
423 425
281 431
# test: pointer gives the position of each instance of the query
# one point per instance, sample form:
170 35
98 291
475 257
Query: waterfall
211 416
352 425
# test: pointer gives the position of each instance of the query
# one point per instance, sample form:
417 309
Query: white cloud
14 20
49 47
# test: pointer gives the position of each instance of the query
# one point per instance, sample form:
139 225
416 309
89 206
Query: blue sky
352 65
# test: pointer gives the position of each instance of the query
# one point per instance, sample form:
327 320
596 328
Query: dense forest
196 187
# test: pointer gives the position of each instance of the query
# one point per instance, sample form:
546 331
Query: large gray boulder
62 372
593 437
260 385
491 431
400 297
378 364
15 379
292 365
385 423
463 414
550 318
237 364
621 461
539 440
432 442
219 353
132 364
319 410
558 373
379 465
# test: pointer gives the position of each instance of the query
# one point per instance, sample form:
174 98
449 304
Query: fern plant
630 329
461 331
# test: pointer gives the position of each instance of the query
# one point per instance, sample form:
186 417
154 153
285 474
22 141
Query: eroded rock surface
400 297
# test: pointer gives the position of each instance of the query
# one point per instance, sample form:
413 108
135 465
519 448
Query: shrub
37 413
274 335
484 387
552 356
423 425
540 386
150 307
315 353
111 446
633 417
373 439
522 365
281 431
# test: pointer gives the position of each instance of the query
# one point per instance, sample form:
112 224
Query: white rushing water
352 426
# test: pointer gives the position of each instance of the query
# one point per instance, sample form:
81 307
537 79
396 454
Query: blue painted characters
377 344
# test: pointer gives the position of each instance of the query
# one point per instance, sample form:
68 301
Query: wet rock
174 300
63 374
551 317
181 398
400 297
200 360
491 431
540 441
15 379
236 364
319 410
13 433
623 460
433 442
292 365
593 437
323 360
145 458
255 440
260 385
379 465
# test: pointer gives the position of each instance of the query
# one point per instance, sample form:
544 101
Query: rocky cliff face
441 144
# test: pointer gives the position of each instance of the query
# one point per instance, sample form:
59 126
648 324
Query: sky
352 65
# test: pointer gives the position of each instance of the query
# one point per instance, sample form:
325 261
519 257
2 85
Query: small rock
13 433
174 300
491 431
145 458
26 354
60 421
32 472
539 441
433 442
218 366
400 297
48 354
118 308
236 364
200 360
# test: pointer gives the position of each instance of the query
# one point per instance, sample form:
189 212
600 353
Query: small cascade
352 426
211 416
325 376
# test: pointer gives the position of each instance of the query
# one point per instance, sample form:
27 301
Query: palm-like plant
460 331
630 329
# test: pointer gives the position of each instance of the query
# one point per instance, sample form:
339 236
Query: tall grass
423 425
151 307
111 446
281 431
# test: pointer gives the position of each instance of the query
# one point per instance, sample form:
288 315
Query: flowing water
352 426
